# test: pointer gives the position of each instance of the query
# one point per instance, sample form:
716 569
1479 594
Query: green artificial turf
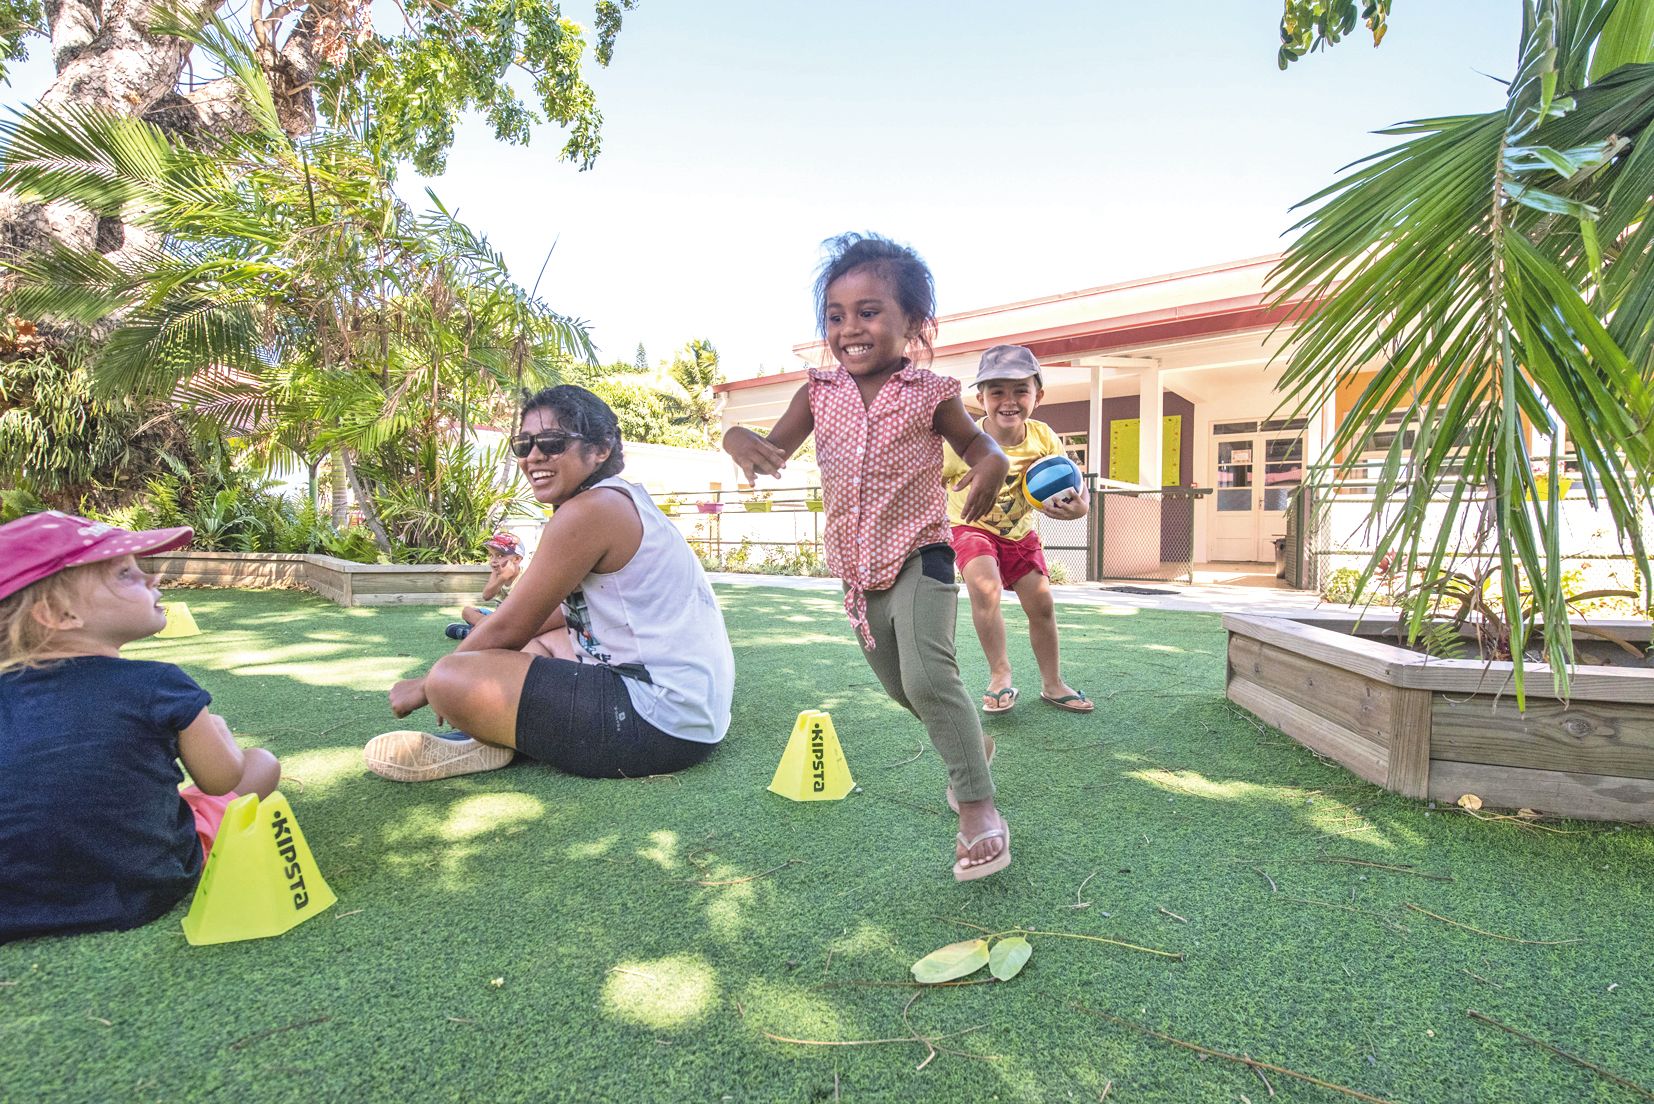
526 935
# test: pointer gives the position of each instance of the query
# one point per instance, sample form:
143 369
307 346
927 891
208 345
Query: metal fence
776 530
1130 535
1332 529
1144 535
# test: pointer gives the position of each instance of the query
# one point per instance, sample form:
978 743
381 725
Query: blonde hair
24 641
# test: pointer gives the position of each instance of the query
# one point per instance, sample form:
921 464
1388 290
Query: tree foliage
400 89
20 20
408 88
1308 25
66 448
695 371
292 295
681 410
1495 273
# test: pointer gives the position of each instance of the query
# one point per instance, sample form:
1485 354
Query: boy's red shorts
1015 558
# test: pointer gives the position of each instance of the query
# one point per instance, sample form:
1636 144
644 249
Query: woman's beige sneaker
424 756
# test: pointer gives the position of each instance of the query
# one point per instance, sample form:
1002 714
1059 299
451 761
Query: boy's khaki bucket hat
1007 362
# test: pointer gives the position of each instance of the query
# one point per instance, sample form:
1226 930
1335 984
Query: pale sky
1023 150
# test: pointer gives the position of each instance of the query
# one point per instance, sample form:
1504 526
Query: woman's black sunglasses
551 442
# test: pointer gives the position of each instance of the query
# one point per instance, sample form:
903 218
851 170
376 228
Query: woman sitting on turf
609 659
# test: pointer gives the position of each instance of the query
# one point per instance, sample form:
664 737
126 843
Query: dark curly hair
580 412
906 271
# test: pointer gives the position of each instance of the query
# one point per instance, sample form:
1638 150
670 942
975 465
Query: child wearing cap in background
1001 550
505 563
95 833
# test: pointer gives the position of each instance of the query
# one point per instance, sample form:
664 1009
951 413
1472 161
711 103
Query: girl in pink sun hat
95 833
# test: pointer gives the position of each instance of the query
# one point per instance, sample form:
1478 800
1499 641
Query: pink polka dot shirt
881 477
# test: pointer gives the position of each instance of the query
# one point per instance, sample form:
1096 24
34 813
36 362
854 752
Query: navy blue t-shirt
93 834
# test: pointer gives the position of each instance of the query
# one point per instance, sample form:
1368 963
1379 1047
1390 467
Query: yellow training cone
179 621
260 879
813 767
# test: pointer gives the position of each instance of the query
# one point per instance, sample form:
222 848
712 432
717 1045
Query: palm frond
1461 270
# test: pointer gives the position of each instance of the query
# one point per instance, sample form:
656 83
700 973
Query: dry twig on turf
1267 878
928 1041
1574 1058
928 810
904 762
1391 924
1492 935
879 983
1079 904
1261 1076
751 877
1388 867
1520 821
1252 1062
247 1040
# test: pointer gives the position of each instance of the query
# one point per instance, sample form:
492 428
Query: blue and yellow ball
1050 476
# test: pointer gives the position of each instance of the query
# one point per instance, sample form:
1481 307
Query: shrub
1342 586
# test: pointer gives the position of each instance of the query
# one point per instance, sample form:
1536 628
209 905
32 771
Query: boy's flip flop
992 866
1076 702
1000 704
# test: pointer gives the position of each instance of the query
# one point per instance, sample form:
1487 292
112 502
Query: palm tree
292 294
696 373
1494 271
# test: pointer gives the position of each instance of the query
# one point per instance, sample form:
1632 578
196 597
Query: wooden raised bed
341 581
1440 729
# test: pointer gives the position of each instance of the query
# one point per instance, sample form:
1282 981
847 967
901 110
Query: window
1074 444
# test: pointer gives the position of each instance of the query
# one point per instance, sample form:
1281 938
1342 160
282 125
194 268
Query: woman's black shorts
578 717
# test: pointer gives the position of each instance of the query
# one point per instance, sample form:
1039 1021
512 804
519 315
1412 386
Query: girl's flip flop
1000 704
992 866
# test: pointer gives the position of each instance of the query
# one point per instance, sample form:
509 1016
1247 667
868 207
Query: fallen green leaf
1008 957
950 962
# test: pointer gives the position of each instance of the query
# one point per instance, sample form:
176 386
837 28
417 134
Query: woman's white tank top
656 622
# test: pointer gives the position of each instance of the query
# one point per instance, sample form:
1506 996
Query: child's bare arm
211 755
987 460
767 455
1068 506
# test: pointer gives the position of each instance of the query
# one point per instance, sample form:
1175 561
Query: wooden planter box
341 581
1440 728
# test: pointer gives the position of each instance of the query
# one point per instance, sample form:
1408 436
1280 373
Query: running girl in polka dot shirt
879 421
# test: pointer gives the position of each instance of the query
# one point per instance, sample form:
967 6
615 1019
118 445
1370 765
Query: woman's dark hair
582 413
907 273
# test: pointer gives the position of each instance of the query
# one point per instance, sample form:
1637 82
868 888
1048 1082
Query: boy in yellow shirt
1000 550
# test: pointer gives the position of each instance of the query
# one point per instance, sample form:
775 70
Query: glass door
1283 472
1255 475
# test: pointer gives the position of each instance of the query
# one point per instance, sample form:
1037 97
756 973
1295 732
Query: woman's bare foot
978 821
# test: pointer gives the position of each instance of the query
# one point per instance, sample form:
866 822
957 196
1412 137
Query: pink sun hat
38 546
505 543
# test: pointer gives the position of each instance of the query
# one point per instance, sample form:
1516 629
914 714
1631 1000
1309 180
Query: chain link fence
1144 535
